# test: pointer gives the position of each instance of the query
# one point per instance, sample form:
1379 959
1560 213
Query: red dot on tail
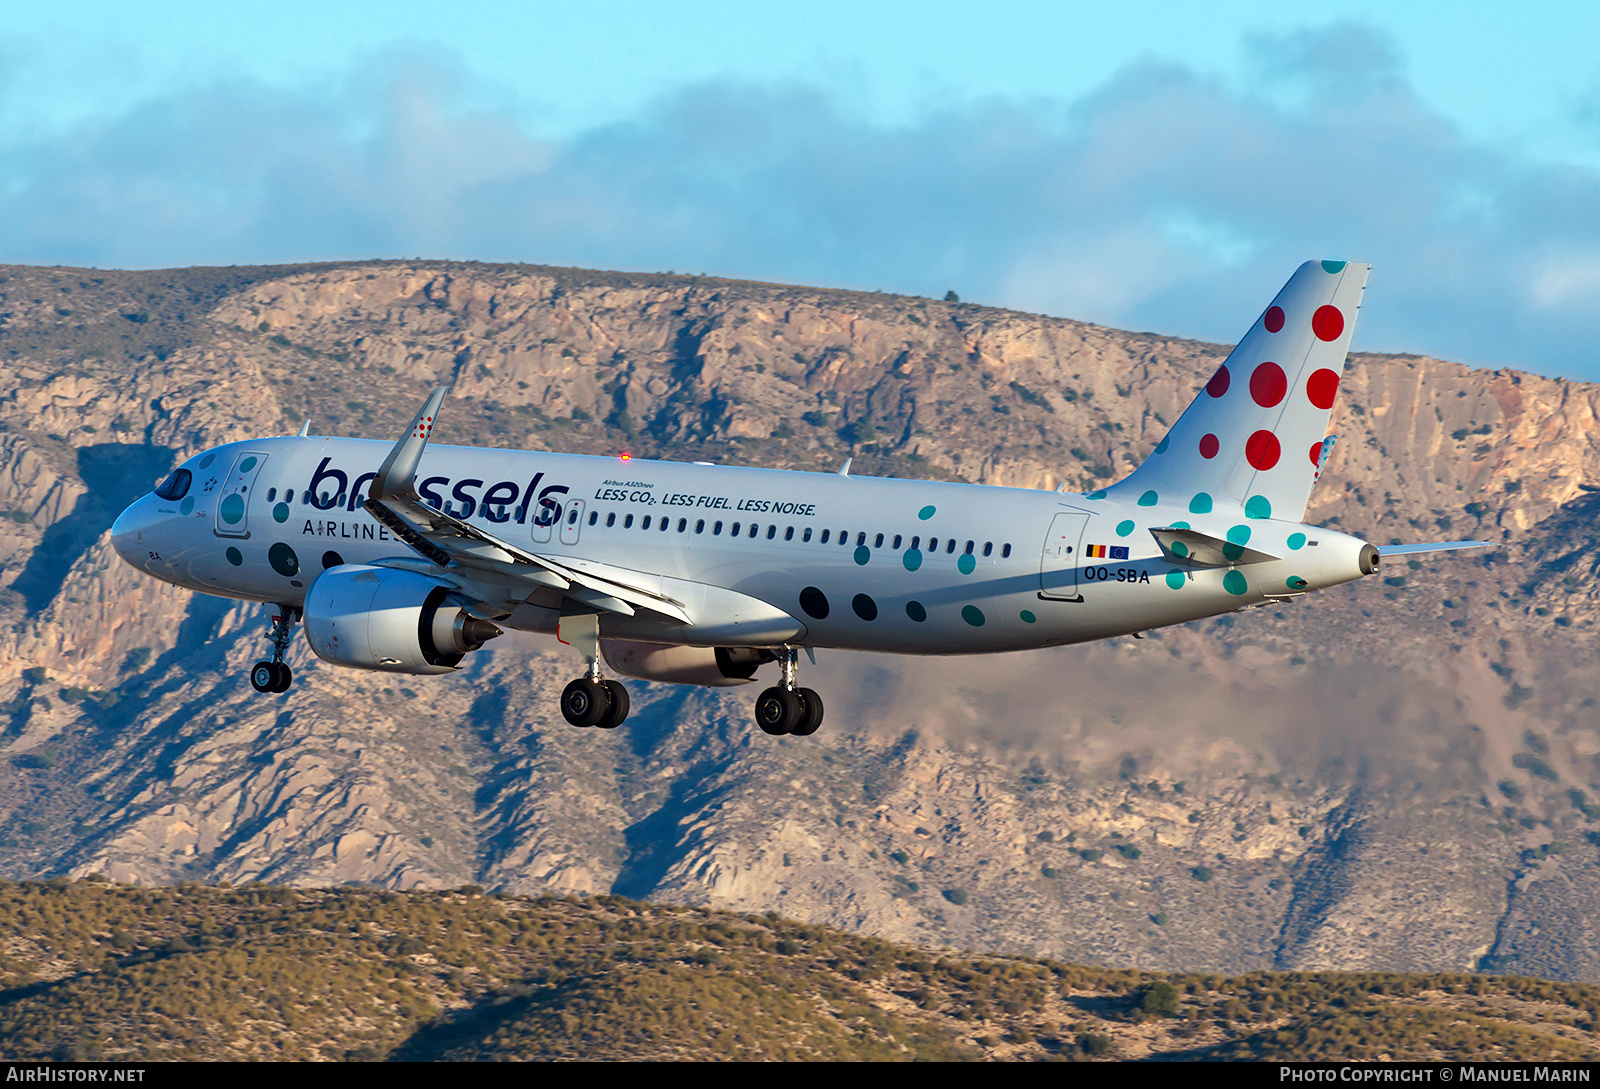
1274 319
1209 446
1316 454
1327 323
1268 384
1322 386
1219 382
1262 450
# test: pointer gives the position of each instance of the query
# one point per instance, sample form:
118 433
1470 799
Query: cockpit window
175 486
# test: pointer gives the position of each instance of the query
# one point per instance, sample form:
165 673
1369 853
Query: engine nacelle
713 667
394 621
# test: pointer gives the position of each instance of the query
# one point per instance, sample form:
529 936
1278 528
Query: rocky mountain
1400 774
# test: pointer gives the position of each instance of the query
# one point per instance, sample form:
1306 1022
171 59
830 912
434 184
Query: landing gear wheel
811 717
264 676
619 705
778 711
585 702
285 677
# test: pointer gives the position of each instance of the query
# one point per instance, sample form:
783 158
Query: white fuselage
859 563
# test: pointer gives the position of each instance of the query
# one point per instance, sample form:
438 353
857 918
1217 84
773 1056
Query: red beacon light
625 456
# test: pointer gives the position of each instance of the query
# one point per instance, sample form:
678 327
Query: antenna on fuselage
305 428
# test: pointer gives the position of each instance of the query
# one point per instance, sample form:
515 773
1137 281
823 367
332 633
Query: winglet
397 475
305 428
845 469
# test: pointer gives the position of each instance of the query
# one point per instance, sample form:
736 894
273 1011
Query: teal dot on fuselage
1332 267
1175 579
283 560
1149 499
1179 549
186 508
1295 582
1180 525
232 509
205 462
280 513
1258 506
972 615
1234 582
967 563
1200 504
1161 447
1239 534
916 612
927 512
1297 541
1124 527
863 554
912 558
235 557
247 464
1027 617
1101 494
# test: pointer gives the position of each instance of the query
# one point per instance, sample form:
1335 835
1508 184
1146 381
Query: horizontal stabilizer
1188 546
1419 549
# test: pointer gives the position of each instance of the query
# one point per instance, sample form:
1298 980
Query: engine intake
713 667
393 621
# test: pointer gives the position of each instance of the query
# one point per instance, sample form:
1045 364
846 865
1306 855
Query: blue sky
1157 166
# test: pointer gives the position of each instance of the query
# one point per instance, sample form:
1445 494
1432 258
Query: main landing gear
591 700
275 676
785 709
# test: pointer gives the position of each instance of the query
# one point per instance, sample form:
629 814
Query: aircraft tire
778 711
585 702
285 677
620 705
264 677
811 716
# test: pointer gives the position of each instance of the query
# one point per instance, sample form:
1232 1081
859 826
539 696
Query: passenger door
1058 565
233 499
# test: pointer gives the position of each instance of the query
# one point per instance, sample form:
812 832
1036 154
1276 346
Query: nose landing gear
275 676
785 709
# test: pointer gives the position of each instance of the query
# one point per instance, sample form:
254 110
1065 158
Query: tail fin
1254 435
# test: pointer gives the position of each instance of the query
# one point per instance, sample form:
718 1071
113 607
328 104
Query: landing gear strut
591 700
785 709
275 676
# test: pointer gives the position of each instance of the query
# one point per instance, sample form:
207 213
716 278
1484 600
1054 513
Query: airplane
406 556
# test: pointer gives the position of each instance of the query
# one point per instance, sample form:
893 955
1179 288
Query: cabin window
933 544
754 529
877 542
611 519
916 542
950 546
572 519
627 523
788 534
806 536
700 525
844 536
594 516
272 493
861 539
772 531
683 524
1005 552
897 542
824 537
665 522
988 548
733 530
646 523
716 529
968 549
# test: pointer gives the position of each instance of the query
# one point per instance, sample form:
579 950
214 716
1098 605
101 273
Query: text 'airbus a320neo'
405 557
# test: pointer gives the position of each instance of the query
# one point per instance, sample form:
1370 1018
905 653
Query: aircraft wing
449 541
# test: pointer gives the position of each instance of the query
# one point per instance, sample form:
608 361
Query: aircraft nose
126 532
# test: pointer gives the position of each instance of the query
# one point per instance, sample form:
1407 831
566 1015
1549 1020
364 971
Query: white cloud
1168 200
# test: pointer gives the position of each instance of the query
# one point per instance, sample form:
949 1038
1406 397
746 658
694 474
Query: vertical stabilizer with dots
1253 436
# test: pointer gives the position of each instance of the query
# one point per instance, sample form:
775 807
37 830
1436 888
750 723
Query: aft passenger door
1058 565
233 500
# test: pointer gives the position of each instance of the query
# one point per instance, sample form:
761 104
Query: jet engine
714 667
394 621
